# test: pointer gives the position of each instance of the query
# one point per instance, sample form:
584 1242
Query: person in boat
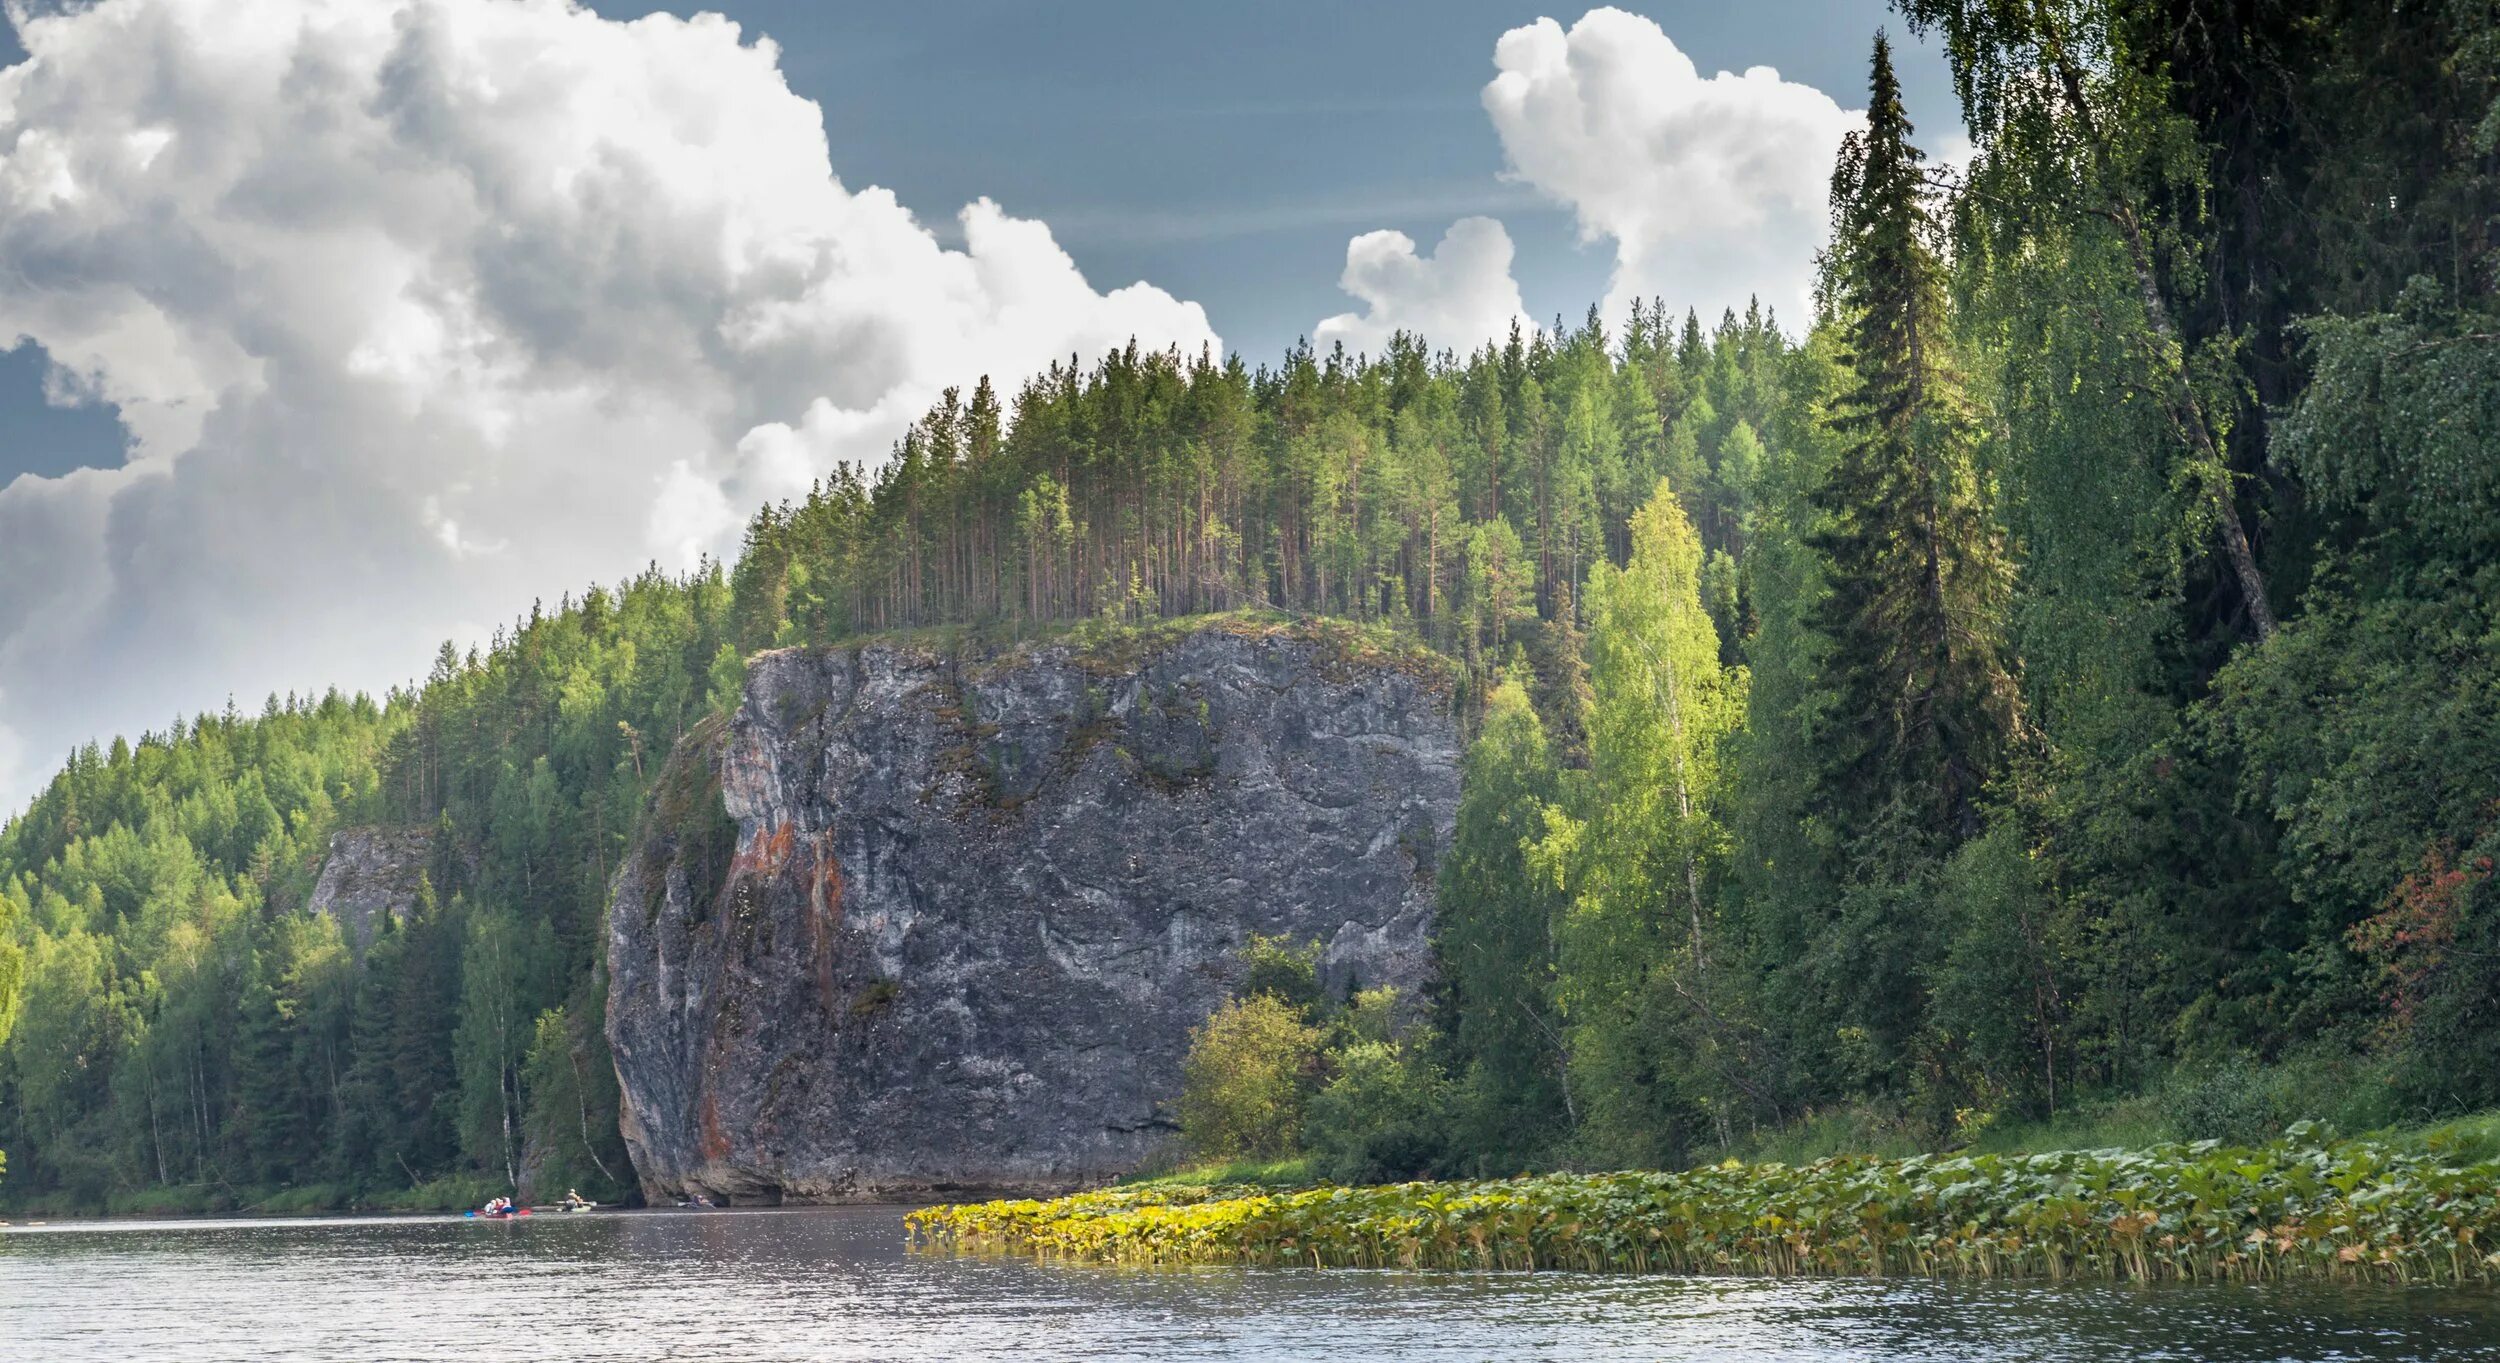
499 1206
573 1199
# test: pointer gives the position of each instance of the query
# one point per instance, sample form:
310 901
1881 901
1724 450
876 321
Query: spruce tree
1495 939
1924 698
363 1139
424 1012
1920 706
268 1120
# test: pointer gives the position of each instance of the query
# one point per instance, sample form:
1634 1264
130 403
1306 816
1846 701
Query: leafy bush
2239 1101
1274 966
1384 1115
2230 1101
1245 1079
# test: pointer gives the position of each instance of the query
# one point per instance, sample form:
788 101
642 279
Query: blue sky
1224 153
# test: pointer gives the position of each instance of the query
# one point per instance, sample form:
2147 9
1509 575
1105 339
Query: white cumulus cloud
1457 298
1711 188
417 309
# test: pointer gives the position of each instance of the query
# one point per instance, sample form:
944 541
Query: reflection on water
836 1284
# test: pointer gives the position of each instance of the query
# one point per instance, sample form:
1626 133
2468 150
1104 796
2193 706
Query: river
837 1284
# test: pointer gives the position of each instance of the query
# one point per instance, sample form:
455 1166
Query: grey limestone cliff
369 873
911 924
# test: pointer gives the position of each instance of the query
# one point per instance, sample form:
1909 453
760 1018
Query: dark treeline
2063 671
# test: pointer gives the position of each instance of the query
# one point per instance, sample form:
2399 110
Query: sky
341 327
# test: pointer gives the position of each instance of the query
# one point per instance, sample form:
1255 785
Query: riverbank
2299 1208
451 1193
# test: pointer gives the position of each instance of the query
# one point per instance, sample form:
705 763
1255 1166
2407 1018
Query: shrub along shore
2300 1207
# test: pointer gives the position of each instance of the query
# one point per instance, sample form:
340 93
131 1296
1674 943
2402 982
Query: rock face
911 925
371 872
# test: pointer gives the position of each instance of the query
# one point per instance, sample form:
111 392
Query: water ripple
835 1284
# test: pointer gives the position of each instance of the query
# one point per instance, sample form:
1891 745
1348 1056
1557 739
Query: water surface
836 1284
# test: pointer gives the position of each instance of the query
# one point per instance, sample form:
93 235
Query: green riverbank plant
2301 1207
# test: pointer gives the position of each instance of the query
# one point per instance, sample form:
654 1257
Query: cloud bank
1457 298
1711 189
417 309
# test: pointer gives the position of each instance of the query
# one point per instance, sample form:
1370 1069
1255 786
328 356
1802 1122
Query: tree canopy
2060 667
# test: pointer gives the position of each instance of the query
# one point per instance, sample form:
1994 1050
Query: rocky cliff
369 873
912 924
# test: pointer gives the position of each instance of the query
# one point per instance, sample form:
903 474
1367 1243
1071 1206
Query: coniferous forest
2057 679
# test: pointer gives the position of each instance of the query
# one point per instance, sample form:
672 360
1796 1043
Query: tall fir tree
1495 929
1922 704
424 1013
1925 700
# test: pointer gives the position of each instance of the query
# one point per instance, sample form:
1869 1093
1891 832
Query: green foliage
1464 498
1246 1078
1495 940
187 1025
2299 1208
13 926
68 1029
492 1039
450 1193
1999 993
2226 1102
1277 968
1922 703
1382 1115
1385 1109
2361 724
1283 1173
1637 846
727 678
568 1076
2049 692
1917 711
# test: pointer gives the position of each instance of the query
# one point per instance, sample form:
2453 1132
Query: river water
837 1284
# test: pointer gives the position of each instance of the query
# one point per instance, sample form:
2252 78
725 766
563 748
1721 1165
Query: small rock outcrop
910 925
371 872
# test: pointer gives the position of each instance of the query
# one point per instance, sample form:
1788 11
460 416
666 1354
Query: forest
2058 674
